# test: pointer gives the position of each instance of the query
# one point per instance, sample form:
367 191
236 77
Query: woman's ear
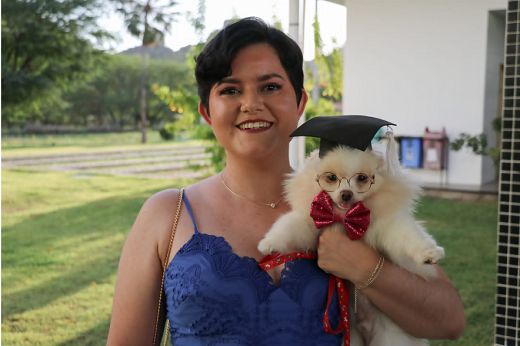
204 113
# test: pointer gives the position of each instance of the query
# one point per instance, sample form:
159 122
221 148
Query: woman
251 93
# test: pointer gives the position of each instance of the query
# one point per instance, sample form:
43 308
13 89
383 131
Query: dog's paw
267 246
431 256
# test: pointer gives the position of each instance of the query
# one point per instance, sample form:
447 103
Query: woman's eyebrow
269 76
227 80
262 78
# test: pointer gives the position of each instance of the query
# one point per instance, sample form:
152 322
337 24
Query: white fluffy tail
392 158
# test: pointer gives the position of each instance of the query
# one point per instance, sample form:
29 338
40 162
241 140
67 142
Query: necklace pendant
273 205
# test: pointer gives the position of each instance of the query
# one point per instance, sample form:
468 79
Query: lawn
51 144
468 232
61 240
62 237
80 139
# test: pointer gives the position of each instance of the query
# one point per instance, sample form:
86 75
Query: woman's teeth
255 126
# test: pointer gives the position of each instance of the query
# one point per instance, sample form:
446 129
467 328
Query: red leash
344 325
271 261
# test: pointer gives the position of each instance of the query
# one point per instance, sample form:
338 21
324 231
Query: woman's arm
425 309
136 294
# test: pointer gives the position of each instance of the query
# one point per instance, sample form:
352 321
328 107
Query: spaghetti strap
189 211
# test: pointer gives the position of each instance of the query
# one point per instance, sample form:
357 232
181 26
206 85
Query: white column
296 32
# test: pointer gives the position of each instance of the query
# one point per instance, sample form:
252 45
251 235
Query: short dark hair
214 62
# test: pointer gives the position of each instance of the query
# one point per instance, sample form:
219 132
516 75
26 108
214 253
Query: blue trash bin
411 152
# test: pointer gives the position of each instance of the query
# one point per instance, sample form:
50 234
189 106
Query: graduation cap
355 131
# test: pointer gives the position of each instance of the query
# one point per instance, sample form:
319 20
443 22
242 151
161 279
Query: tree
111 98
325 84
46 48
329 78
148 20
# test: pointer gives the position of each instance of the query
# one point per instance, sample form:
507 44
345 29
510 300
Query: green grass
62 237
49 144
468 232
61 240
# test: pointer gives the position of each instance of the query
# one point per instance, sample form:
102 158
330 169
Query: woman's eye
228 91
272 87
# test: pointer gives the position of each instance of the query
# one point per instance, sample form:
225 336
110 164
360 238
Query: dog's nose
346 195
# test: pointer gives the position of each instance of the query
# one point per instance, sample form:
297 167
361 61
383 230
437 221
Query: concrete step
101 156
130 162
155 162
108 152
150 169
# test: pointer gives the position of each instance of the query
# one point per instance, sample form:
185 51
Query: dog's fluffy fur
393 231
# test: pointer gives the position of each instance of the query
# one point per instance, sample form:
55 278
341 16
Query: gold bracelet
375 273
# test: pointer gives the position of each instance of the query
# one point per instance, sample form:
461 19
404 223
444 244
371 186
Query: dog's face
349 176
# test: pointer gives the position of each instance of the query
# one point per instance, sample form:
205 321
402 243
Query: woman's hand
425 309
345 258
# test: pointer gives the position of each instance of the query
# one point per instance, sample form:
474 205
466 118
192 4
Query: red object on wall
435 149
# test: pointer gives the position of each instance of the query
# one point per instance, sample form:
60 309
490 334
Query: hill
160 52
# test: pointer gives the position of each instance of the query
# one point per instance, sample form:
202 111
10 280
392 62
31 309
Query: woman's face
254 110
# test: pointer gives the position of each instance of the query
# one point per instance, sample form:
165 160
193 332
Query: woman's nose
252 103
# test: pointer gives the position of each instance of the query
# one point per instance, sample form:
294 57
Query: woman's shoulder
158 214
162 199
156 211
163 204
158 207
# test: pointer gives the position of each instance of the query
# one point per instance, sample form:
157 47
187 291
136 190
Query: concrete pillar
296 32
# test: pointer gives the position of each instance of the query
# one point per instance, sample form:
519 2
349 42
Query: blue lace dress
215 298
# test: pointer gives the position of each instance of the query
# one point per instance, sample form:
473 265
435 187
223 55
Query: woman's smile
255 125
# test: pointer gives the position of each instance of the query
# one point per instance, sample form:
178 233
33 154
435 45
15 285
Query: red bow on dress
356 220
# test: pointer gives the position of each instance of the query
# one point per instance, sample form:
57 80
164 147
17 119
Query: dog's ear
314 155
381 169
314 161
391 157
380 164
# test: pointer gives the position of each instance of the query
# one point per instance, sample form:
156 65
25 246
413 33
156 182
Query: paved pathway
159 162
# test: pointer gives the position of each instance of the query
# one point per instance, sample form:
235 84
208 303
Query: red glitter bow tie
356 219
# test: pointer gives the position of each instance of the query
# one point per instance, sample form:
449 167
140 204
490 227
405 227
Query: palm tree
148 20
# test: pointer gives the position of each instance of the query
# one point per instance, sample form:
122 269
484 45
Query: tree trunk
143 96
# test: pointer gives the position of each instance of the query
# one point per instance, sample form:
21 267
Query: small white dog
349 176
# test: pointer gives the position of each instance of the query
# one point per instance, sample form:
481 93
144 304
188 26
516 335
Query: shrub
203 131
167 131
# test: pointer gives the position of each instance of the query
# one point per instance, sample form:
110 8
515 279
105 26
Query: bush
477 143
167 131
218 154
204 131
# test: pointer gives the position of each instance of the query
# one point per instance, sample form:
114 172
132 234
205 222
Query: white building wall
422 63
492 98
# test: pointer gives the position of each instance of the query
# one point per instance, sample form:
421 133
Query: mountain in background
160 52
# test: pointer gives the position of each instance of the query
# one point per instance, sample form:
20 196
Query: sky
332 18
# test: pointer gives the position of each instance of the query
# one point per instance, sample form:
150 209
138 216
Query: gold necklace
272 205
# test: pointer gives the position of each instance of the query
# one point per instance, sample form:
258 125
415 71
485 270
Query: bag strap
165 265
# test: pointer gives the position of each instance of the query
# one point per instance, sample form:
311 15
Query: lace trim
226 264
296 275
218 316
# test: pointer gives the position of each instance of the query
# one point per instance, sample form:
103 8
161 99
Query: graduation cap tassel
392 159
